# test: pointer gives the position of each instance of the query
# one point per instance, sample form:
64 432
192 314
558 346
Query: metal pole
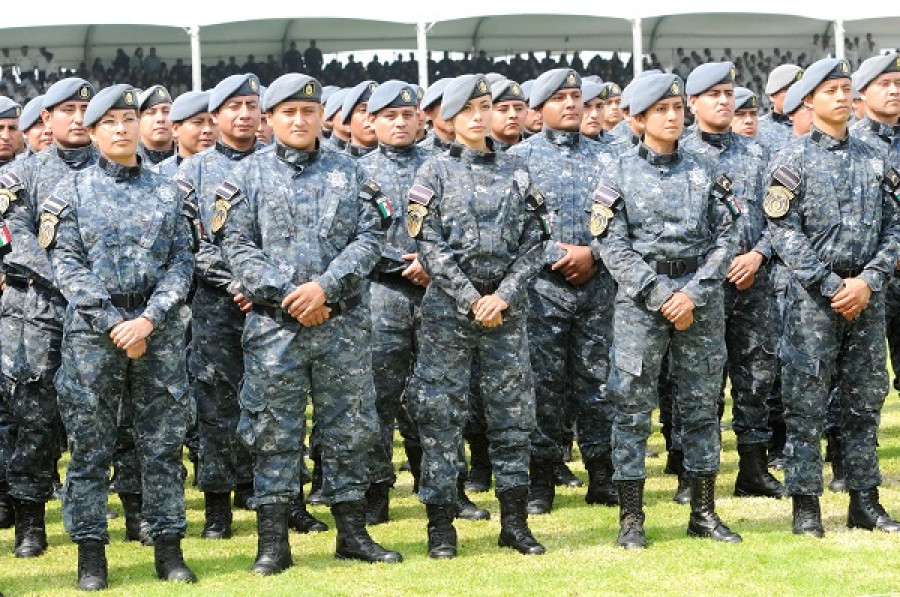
637 51
839 40
194 32
422 45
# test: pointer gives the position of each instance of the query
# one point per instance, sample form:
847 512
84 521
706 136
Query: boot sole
748 493
533 552
339 556
706 535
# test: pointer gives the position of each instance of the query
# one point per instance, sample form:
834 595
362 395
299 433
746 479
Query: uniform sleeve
356 260
530 257
172 288
210 263
764 245
72 274
21 218
881 267
434 252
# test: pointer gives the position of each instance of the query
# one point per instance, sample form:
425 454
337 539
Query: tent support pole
637 51
839 41
422 53
194 32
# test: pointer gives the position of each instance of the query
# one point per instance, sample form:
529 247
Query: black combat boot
218 515
631 515
353 540
135 528
378 501
807 515
315 489
514 531
301 520
466 508
7 509
835 448
601 489
704 521
683 492
92 571
480 470
542 489
242 493
273 551
866 512
414 459
441 533
564 477
31 534
754 478
169 560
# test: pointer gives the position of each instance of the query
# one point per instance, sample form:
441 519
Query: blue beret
31 113
157 94
506 91
781 77
591 90
392 94
821 71
355 96
435 92
612 90
526 89
745 99
646 91
292 86
71 88
874 67
335 103
459 91
189 104
709 75
114 97
550 82
327 92
235 85
9 108
793 99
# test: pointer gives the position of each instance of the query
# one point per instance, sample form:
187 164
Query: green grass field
581 557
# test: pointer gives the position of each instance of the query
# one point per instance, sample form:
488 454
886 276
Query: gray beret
709 75
592 79
550 82
235 85
625 102
526 89
9 108
355 96
612 90
492 78
335 102
781 77
392 94
591 90
506 91
820 71
114 97
31 113
419 92
459 91
793 99
189 104
874 67
745 99
292 86
156 94
435 92
71 88
327 92
646 91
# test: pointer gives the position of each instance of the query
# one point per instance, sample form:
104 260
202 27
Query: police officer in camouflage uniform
355 115
340 132
665 226
157 141
831 205
775 127
302 234
749 308
121 255
33 310
570 320
194 128
478 222
218 308
440 136
10 111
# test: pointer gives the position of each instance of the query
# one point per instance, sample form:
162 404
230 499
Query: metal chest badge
47 230
220 214
777 201
6 197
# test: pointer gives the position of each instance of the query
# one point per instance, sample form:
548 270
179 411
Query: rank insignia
482 86
309 90
47 230
406 95
220 214
415 218
601 215
254 85
777 201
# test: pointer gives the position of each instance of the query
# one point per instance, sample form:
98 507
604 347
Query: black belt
337 308
675 268
130 301
847 272
486 287
390 278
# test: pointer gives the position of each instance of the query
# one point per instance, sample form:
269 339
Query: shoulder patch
892 184
722 191
11 181
370 191
787 177
227 190
606 195
54 205
420 194
48 227
184 185
536 200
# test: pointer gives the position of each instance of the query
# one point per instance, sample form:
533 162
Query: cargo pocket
627 362
799 361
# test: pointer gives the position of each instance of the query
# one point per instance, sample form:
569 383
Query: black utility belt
130 301
850 272
390 278
676 268
485 287
337 308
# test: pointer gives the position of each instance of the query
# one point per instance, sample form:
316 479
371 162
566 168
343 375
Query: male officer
10 112
612 113
193 128
302 236
594 96
157 143
746 112
440 136
340 132
509 114
775 127
354 114
831 205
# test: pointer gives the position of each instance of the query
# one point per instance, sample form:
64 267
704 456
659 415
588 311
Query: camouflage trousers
892 323
696 362
570 335
448 343
284 365
93 377
216 366
396 317
819 346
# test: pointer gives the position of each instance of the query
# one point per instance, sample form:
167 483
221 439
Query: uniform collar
474 156
888 132
75 157
827 141
658 159
720 140
358 151
393 151
155 156
338 142
440 143
233 154
562 138
297 158
781 118
118 171
502 145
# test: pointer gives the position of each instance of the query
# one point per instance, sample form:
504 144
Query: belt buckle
677 268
